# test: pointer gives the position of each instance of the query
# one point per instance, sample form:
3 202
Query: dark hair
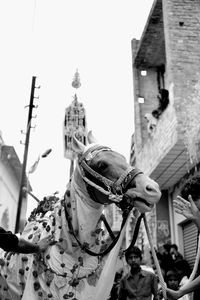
159 255
191 187
133 250
174 246
172 273
183 266
167 247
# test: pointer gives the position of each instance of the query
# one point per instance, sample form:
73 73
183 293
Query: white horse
75 267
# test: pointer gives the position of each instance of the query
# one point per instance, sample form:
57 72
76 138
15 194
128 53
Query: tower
74 123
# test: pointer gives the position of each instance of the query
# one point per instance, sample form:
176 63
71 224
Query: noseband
115 190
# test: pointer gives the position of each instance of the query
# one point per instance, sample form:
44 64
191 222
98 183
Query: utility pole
22 191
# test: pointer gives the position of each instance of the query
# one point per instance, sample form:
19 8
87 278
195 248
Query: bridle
115 190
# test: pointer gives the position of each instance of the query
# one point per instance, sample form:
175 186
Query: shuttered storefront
190 234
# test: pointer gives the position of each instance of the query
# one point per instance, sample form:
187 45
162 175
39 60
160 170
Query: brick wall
182 40
137 119
181 19
160 143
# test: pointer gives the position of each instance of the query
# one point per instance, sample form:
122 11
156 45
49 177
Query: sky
51 39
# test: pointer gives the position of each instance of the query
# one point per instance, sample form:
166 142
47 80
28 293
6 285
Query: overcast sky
50 39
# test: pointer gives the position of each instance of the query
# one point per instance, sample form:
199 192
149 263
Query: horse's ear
77 146
91 138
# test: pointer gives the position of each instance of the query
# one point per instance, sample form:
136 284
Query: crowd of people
141 284
175 269
188 205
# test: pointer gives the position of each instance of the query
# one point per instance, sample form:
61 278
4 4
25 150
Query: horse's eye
101 166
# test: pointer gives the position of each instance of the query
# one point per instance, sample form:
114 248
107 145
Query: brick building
166 78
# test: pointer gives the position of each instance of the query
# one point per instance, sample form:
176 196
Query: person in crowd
188 205
9 242
115 288
165 258
184 271
175 254
138 283
172 280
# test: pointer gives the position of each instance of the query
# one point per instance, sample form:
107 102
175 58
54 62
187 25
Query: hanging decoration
74 123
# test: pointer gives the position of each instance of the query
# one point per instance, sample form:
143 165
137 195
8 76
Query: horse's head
109 178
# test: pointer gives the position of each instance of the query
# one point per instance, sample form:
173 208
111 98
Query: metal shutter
190 234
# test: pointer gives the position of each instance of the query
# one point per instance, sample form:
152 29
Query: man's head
133 257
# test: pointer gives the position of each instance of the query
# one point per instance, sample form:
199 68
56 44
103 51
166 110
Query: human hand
186 208
172 295
8 255
44 243
160 294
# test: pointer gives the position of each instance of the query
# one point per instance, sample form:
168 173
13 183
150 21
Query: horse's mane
45 205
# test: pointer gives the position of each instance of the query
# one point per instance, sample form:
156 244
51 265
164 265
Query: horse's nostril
149 188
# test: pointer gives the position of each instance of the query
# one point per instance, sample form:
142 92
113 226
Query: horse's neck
85 212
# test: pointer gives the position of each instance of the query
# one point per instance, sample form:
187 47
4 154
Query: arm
190 286
28 247
172 295
122 291
9 242
155 288
196 213
187 288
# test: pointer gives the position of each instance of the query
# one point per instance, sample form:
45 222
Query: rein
136 231
115 238
84 246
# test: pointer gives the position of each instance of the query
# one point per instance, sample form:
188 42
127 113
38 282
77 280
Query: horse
78 266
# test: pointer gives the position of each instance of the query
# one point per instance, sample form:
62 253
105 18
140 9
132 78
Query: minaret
74 122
